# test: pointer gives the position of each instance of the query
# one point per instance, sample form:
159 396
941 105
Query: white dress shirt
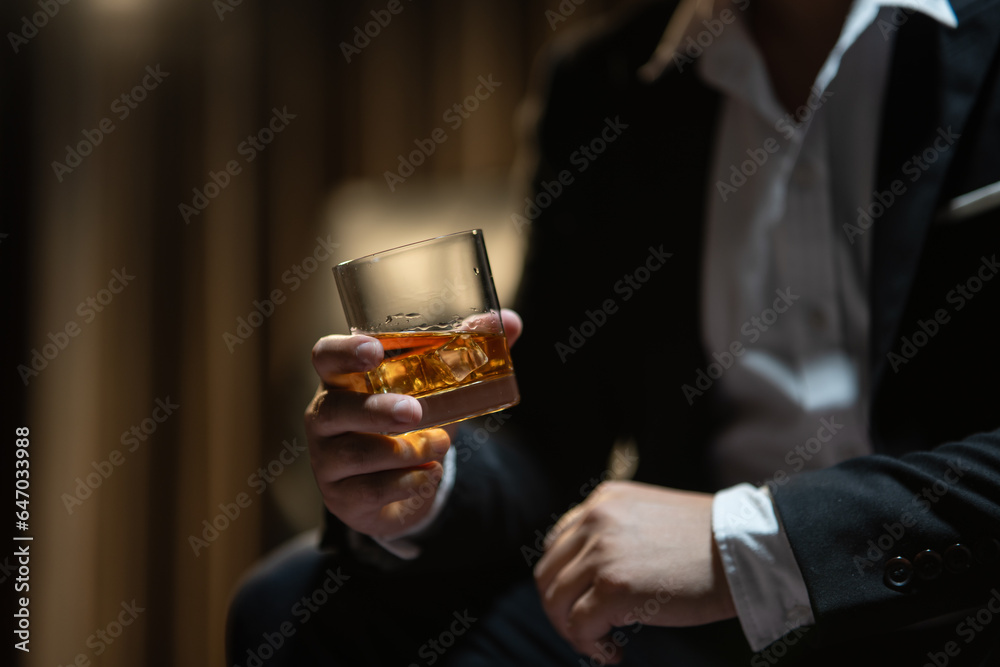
796 397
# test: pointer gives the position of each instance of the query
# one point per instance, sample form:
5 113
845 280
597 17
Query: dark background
161 337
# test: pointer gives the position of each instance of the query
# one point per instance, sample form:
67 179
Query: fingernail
405 409
368 353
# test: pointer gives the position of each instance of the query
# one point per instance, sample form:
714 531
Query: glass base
466 402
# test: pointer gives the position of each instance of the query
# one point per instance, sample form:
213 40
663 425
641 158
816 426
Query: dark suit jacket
934 418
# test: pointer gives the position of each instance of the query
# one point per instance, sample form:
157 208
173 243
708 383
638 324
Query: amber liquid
455 375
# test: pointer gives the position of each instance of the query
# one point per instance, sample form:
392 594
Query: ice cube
462 356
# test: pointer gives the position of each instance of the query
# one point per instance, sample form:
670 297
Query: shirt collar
690 17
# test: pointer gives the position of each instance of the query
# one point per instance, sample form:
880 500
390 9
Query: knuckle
320 460
332 501
311 413
374 408
314 413
333 498
597 515
369 493
608 584
353 454
607 487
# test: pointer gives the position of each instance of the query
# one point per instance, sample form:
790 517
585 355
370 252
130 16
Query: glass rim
408 246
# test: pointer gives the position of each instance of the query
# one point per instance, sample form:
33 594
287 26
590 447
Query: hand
372 482
632 553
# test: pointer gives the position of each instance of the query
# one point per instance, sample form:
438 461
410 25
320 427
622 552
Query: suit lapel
936 75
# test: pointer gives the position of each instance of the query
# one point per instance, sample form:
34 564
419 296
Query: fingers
509 320
566 522
337 355
559 551
367 478
334 356
512 325
590 626
568 576
367 502
361 475
333 411
354 454
563 579
562 544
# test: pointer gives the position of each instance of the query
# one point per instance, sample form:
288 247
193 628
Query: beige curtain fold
130 543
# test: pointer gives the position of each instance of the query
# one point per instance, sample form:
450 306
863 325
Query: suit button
898 573
958 558
987 551
928 565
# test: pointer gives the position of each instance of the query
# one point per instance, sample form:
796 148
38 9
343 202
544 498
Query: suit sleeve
911 533
883 542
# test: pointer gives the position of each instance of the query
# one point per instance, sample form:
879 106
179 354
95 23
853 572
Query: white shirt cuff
400 545
765 581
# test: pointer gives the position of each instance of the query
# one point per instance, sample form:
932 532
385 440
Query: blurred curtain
123 483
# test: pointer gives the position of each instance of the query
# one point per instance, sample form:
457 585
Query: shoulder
590 72
608 50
